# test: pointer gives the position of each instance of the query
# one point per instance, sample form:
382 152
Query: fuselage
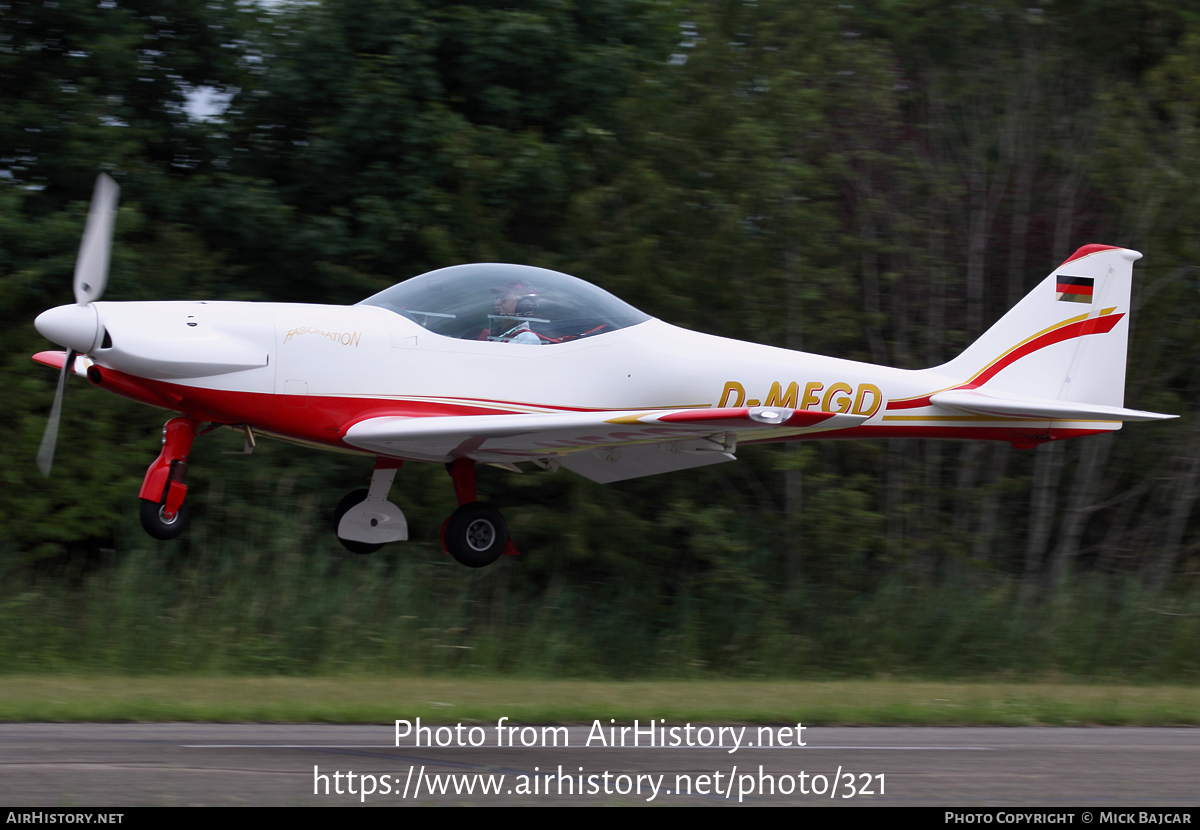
310 372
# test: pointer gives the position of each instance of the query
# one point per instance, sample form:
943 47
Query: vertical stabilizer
1066 340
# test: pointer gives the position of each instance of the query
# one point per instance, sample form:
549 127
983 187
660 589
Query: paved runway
102 765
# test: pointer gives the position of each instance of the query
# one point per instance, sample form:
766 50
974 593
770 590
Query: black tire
158 527
348 501
476 534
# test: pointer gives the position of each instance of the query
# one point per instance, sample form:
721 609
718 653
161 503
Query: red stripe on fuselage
324 419
319 418
127 386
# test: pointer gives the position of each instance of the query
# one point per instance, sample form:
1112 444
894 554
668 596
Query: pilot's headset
527 299
527 305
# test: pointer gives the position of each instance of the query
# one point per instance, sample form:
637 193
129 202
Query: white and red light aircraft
500 364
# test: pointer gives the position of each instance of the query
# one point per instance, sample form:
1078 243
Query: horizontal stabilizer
978 402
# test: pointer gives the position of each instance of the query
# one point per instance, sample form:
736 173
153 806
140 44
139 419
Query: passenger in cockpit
515 300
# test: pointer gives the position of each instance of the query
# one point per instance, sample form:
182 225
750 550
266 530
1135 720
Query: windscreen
507 303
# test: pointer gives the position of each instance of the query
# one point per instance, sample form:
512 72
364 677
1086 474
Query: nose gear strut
164 510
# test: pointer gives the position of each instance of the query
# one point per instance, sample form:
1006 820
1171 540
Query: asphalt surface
112 765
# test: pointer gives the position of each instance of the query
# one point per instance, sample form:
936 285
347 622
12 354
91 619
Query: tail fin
1066 341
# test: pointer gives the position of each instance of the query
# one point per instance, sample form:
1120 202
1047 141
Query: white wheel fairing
375 520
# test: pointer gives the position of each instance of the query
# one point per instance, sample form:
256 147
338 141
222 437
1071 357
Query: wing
602 446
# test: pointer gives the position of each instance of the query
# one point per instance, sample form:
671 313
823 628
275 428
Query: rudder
1066 340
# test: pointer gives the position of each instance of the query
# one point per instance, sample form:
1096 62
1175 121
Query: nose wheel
163 526
475 534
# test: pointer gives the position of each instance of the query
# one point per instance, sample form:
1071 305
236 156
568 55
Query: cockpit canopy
508 303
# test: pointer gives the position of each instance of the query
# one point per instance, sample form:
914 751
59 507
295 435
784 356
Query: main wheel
352 500
154 523
476 534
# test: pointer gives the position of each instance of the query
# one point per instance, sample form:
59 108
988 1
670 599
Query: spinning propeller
78 327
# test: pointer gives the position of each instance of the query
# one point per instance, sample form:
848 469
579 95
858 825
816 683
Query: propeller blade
91 269
45 454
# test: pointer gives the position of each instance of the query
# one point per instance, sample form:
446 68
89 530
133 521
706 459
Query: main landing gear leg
475 534
365 520
164 510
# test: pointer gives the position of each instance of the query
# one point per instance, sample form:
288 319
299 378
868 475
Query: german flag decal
1074 289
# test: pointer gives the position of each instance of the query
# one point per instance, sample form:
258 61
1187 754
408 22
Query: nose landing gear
164 511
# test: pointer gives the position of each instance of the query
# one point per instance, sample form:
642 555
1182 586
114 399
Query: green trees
387 139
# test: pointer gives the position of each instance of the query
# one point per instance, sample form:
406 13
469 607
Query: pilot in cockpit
516 302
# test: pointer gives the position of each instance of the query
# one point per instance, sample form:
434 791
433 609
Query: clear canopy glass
507 303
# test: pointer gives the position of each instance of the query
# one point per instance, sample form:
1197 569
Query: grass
382 700
256 621
256 611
